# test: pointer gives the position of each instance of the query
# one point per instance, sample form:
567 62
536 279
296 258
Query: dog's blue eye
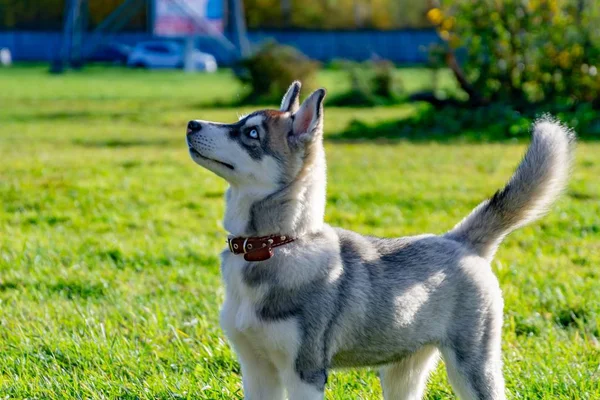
253 134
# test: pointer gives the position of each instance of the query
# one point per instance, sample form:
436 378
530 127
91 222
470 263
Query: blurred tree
31 14
260 11
336 14
315 14
100 9
47 15
522 51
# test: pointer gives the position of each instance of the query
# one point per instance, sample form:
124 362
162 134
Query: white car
166 54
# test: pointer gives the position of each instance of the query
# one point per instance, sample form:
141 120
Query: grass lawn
109 236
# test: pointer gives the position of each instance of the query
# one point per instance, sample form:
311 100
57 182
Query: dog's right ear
290 101
308 120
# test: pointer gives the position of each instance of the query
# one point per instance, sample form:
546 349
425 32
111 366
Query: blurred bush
525 52
371 83
271 70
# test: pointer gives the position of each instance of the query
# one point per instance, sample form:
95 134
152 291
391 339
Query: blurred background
37 30
110 234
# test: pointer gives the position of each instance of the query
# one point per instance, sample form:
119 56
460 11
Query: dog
303 297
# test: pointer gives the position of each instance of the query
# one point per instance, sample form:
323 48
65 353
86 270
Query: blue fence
400 46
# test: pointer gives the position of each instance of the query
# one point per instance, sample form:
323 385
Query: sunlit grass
109 236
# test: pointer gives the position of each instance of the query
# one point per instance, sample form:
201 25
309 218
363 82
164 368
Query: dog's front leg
260 378
305 385
305 378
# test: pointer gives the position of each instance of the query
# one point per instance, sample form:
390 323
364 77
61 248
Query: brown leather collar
257 248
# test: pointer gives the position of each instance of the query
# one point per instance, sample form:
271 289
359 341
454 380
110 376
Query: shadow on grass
496 123
578 195
115 143
396 131
68 289
241 102
59 116
141 261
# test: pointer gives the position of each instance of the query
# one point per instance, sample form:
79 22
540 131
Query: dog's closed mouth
196 153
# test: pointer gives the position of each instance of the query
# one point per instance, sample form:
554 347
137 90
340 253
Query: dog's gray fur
334 298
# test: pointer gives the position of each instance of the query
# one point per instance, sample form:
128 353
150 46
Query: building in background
190 17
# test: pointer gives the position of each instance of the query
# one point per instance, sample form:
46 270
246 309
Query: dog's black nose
193 126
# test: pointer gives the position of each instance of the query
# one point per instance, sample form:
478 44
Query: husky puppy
330 298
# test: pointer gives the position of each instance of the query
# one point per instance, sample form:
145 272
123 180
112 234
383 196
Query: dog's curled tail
538 181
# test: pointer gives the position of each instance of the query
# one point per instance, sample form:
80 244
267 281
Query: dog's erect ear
290 103
308 120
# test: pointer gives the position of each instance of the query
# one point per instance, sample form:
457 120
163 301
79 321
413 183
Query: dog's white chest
245 316
239 317
241 300
238 309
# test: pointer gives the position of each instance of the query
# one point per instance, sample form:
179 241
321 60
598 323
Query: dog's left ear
308 120
290 102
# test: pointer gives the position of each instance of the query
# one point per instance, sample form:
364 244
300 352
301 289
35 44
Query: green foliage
336 14
110 235
271 69
525 51
260 14
371 83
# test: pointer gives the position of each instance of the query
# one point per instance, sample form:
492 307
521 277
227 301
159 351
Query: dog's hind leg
406 380
474 361
472 379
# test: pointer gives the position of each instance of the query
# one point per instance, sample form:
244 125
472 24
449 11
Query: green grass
109 236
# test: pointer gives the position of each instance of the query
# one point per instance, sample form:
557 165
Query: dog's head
264 150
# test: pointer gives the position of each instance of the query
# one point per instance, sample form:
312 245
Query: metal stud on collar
257 248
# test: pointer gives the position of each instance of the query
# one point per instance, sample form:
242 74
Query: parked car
115 53
168 54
